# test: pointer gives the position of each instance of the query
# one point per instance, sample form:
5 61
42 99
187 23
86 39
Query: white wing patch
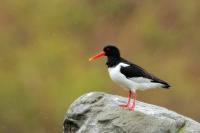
123 64
141 80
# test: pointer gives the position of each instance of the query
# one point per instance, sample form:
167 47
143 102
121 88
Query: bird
128 75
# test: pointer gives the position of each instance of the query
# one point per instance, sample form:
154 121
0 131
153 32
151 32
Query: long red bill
102 53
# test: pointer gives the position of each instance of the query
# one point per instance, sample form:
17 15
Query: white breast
118 77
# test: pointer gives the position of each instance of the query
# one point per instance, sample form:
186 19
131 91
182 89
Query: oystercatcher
128 75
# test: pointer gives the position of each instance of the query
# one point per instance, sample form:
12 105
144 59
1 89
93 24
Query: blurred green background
45 46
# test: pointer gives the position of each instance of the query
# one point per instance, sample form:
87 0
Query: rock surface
98 112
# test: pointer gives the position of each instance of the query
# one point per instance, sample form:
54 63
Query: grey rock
99 112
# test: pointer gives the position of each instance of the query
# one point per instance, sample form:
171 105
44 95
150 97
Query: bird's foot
127 106
130 107
124 105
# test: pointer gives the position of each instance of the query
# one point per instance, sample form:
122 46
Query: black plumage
134 71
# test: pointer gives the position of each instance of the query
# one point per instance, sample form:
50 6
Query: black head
111 51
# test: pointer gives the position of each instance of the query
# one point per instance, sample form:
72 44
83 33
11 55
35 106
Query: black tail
166 86
164 83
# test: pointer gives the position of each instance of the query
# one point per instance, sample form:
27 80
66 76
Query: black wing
136 71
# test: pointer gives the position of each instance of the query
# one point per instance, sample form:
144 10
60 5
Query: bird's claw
126 106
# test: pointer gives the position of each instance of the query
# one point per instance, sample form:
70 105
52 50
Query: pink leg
129 98
134 100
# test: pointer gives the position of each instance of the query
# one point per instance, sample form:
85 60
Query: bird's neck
112 61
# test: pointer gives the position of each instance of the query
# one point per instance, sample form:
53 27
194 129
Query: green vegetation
45 46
